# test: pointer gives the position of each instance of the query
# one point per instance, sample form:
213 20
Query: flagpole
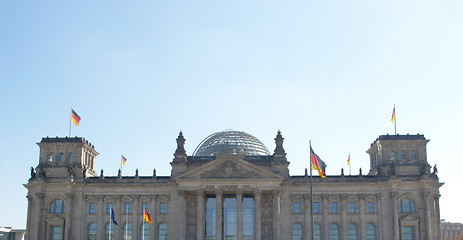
349 166
143 225
110 213
121 163
70 122
311 190
395 122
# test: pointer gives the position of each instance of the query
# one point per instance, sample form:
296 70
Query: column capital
257 192
181 193
218 192
69 195
437 196
40 195
200 193
425 194
306 196
394 195
276 193
239 193
362 196
343 196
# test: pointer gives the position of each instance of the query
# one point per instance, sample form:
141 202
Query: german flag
317 163
75 117
393 115
147 217
124 160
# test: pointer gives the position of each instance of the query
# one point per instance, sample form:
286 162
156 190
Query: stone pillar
344 223
257 215
39 226
118 209
136 217
200 216
308 225
276 214
427 215
437 209
154 217
362 226
395 215
325 209
181 234
67 224
29 217
218 219
100 216
239 215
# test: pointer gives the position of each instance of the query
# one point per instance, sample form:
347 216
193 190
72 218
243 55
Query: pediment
232 167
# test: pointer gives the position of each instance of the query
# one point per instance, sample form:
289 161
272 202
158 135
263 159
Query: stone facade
397 199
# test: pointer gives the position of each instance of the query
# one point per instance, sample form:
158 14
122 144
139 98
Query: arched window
407 205
316 232
402 155
392 155
352 231
109 230
334 231
297 231
57 206
51 158
71 157
162 231
127 232
371 231
61 157
91 233
145 231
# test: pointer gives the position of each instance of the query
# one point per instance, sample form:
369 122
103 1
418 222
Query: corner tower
399 155
69 158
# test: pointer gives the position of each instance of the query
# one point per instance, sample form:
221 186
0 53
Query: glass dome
231 142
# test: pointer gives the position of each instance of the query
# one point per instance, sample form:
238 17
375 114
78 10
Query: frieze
229 186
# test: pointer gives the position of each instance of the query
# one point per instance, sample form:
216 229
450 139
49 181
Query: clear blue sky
139 72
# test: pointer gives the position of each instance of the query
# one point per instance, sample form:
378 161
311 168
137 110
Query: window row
353 208
333 234
61 158
403 155
127 207
127 231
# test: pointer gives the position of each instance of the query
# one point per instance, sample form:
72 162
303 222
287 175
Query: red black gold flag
147 217
393 115
124 160
317 163
75 117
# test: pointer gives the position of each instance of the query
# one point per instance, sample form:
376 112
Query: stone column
437 209
67 224
218 219
395 215
39 226
29 217
343 227
181 234
200 216
325 209
100 216
427 214
239 215
118 209
257 214
154 217
361 230
276 214
136 217
308 225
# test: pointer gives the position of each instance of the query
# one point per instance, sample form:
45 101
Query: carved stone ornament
230 169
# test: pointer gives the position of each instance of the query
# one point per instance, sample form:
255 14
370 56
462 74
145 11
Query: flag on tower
317 163
393 114
348 160
124 160
75 117
147 217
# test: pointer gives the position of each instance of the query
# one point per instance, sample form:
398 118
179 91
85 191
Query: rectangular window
408 233
109 205
211 211
162 208
352 207
91 208
126 207
297 207
315 208
56 233
144 206
334 207
371 207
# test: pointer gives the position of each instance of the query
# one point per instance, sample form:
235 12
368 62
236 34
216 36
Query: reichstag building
233 188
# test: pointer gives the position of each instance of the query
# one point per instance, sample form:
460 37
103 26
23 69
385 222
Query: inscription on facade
230 186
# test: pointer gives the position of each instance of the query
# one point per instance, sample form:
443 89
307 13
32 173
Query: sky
139 72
